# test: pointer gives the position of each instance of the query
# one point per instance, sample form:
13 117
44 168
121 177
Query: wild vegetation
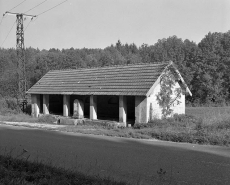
180 128
21 171
200 125
204 66
17 167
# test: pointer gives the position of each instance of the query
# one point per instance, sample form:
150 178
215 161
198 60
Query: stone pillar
93 107
78 109
66 105
35 98
122 109
45 104
141 109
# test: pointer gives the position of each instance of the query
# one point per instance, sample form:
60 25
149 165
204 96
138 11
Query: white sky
100 23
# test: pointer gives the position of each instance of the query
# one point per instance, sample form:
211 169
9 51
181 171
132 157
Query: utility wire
8 33
35 6
17 5
28 24
52 8
1 20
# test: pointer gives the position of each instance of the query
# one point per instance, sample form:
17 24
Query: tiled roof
115 80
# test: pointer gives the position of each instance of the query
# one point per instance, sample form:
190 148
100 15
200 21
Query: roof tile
119 80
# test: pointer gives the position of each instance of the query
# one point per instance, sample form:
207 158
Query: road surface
133 160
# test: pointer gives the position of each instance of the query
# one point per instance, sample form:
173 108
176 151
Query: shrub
12 104
9 106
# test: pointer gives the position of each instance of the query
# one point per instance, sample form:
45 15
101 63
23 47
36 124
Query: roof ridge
114 66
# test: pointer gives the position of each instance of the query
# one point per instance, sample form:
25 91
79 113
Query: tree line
205 66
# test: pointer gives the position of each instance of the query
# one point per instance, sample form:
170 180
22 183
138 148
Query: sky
100 23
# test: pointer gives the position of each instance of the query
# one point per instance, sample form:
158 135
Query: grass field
211 115
205 112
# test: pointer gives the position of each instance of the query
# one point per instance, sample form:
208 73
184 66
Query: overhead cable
8 33
52 8
1 20
35 6
17 5
29 23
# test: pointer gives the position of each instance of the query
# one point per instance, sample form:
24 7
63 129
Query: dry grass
210 115
20 117
203 125
21 171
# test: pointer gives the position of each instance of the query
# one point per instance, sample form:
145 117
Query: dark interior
107 106
56 104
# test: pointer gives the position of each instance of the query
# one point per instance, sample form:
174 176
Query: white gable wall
156 110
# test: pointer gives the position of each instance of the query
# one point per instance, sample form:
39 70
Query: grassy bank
20 117
20 171
202 125
182 128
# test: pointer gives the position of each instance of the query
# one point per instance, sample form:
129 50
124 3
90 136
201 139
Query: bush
9 106
12 104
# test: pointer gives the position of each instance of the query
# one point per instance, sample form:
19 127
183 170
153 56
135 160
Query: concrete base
45 104
66 105
123 109
69 121
35 98
78 109
93 107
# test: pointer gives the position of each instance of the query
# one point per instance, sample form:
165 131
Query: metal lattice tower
21 64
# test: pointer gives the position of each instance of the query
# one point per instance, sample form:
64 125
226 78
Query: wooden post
35 105
66 105
45 104
93 107
123 109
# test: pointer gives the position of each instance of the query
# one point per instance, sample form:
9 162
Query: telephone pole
21 64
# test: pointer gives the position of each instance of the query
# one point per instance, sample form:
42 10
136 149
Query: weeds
21 171
210 127
21 117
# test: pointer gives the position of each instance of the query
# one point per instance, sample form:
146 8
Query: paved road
129 159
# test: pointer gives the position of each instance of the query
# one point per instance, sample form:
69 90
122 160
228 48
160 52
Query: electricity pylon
21 64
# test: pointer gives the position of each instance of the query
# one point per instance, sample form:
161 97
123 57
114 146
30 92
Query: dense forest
204 66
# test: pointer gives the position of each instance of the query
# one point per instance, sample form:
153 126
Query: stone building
122 93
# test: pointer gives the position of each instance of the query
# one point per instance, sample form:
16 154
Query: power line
35 6
17 5
28 24
8 33
1 20
52 8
